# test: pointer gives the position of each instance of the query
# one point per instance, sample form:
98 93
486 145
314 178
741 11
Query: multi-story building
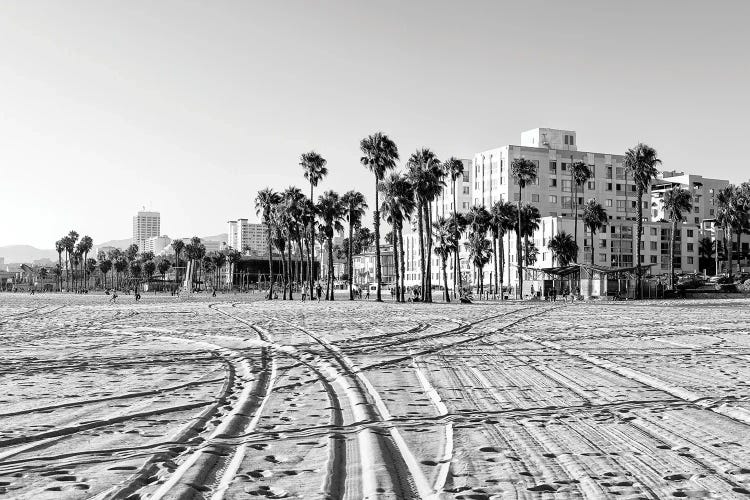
703 190
364 266
145 225
157 244
243 236
461 188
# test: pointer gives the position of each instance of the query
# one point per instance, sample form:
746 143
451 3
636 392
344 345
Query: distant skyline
189 108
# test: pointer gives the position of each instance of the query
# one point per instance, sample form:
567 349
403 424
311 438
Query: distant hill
25 253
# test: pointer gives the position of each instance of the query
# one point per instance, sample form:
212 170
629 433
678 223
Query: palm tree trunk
270 266
671 252
311 271
639 237
290 269
728 237
376 224
420 229
396 260
739 250
519 258
501 257
591 280
402 261
456 271
330 264
494 254
349 263
428 263
446 296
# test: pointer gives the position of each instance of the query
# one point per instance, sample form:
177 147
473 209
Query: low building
157 244
364 266
702 189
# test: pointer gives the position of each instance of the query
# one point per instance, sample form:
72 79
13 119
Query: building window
553 183
466 177
689 233
566 140
653 231
566 185
591 185
563 166
609 171
609 186
653 259
553 167
711 211
609 203
690 247
466 204
535 198
697 220
571 140
553 198
466 189
689 260
697 210
653 245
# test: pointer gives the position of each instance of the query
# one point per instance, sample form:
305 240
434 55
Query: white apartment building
145 225
242 235
703 189
553 150
157 244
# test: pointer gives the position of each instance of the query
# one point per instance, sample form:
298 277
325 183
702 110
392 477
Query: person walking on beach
113 298
319 291
304 293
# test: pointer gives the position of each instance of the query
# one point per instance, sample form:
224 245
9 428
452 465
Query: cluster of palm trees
125 268
76 258
733 216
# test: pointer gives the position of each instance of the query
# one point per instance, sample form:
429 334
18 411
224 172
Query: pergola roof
576 268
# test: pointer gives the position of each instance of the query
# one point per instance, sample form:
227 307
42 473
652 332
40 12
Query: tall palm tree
380 154
564 248
293 201
676 202
280 241
355 204
70 245
579 174
178 246
444 246
641 162
478 223
265 201
424 172
524 173
398 205
480 252
595 218
502 219
455 170
59 248
530 219
104 266
314 166
458 227
85 246
331 212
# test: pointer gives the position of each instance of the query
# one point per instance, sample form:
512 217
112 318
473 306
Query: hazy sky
189 108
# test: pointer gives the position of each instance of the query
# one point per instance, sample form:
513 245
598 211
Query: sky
189 108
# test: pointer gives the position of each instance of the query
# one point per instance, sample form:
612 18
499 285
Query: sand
233 397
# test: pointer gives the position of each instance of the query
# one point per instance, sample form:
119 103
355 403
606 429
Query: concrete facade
245 236
145 225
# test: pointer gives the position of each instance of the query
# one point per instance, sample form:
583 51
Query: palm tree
564 248
478 223
149 268
314 166
355 204
641 162
70 245
85 246
458 227
579 174
59 248
530 218
455 170
524 173
425 173
676 202
104 266
294 203
195 251
280 239
480 252
398 205
265 202
380 154
502 219
163 266
177 246
444 246
331 212
121 264
594 218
